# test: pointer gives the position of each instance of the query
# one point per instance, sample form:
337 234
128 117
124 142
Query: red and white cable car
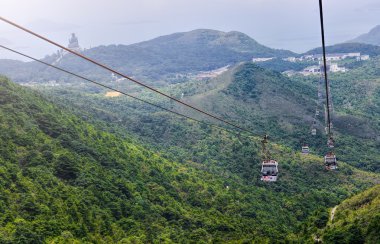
305 149
330 161
269 170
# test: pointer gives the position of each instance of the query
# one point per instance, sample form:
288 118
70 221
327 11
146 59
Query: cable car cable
123 75
325 69
330 157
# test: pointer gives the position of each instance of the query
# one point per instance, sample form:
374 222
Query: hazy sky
287 24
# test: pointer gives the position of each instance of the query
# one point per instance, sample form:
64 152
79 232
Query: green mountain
65 180
355 220
266 101
280 65
372 37
21 71
159 59
261 100
76 165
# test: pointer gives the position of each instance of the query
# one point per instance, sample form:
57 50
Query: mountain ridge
372 37
157 59
356 219
119 191
214 37
263 101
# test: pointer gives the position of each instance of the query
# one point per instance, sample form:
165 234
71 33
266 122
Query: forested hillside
356 220
267 101
63 179
261 100
201 136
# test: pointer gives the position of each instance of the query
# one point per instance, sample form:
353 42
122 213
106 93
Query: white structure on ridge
261 59
329 57
74 43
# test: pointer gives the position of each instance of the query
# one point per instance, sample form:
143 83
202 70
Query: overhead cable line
121 92
125 76
325 70
330 157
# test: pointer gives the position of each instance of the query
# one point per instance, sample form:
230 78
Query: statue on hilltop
73 43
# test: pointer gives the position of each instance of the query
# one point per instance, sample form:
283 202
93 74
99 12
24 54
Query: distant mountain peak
372 37
198 39
376 29
162 57
205 35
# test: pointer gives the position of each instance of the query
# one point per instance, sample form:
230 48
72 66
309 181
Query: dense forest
355 220
262 100
80 166
66 178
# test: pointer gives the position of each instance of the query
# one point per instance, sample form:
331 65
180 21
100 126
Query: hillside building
329 57
316 69
335 68
311 70
290 59
261 59
363 58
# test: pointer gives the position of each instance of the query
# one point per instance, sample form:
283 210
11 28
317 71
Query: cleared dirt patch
112 94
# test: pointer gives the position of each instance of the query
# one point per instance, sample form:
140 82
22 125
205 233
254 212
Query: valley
82 164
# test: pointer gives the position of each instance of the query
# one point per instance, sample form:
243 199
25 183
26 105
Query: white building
335 68
329 57
352 55
315 69
261 59
311 70
290 59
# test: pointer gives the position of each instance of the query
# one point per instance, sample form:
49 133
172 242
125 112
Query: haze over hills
372 37
157 59
169 58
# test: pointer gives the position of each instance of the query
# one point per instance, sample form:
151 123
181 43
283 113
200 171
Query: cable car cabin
305 150
269 170
317 113
330 161
313 131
